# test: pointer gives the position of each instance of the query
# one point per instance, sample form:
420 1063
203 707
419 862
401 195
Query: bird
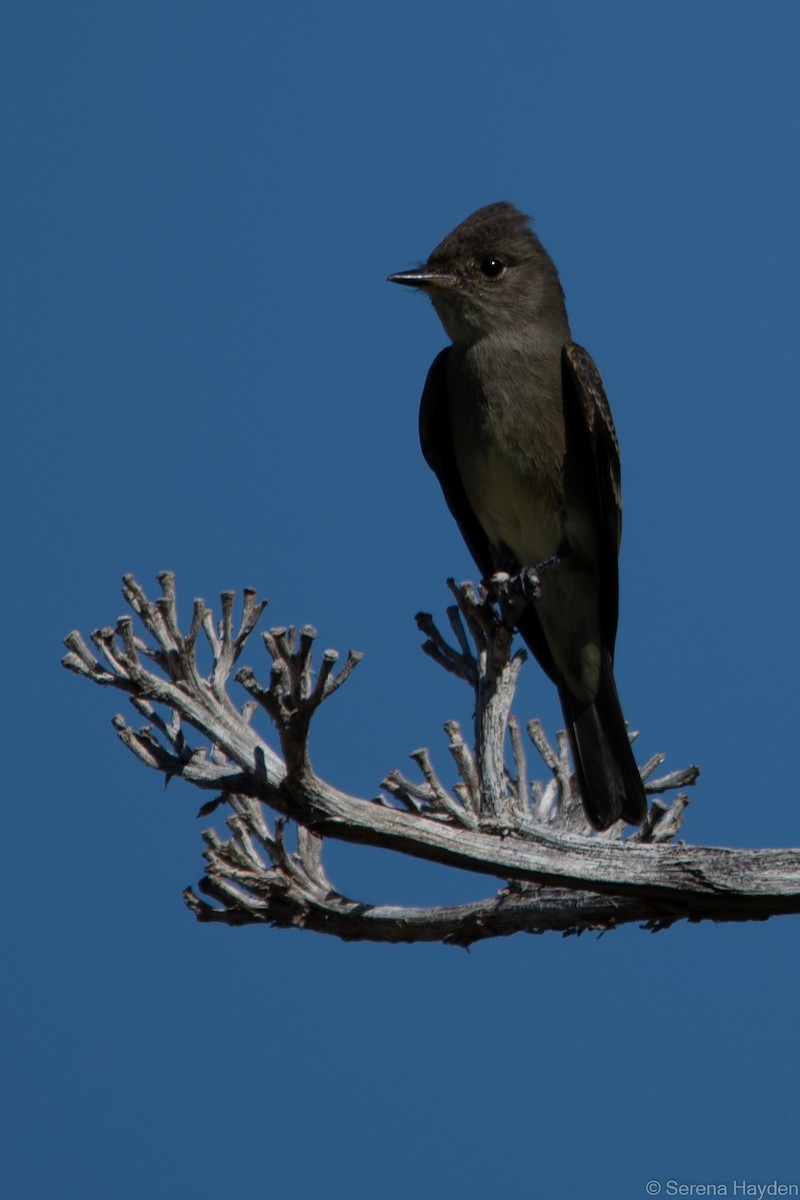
515 423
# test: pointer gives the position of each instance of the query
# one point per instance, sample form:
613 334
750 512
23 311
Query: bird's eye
492 268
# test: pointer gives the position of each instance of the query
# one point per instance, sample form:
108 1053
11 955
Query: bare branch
560 875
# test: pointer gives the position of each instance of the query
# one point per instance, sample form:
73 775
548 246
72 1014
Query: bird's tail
610 783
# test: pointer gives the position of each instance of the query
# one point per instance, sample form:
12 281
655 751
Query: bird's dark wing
591 434
437 447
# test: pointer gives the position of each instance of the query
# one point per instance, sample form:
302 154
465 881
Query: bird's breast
508 437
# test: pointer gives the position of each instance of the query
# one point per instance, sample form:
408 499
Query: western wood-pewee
515 423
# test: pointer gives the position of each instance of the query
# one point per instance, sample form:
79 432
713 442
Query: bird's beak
424 277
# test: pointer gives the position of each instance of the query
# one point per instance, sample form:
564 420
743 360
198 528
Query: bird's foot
526 584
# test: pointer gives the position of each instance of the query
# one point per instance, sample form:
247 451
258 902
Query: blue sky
205 370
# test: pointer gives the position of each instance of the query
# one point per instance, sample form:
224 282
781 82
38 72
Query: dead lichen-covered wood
558 874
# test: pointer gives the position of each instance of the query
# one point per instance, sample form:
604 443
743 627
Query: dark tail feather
610 783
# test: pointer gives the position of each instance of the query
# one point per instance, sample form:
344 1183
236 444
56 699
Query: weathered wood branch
558 874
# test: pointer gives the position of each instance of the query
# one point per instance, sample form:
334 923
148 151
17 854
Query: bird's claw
525 585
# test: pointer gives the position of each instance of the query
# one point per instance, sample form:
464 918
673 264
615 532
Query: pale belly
521 514
517 512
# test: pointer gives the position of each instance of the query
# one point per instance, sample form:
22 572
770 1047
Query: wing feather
589 414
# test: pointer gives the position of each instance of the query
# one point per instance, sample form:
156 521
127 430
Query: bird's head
489 275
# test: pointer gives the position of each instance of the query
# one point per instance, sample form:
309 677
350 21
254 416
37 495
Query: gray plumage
515 423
